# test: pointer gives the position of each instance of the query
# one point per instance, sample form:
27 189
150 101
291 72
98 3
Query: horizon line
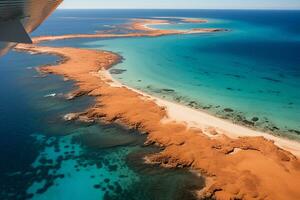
288 9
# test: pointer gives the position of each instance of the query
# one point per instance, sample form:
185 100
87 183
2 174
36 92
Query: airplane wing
18 18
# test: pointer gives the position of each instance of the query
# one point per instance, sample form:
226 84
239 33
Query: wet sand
247 167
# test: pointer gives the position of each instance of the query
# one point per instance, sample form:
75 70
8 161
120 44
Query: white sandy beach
200 119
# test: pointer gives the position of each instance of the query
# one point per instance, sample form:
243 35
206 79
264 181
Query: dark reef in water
46 170
235 76
295 131
255 119
168 90
159 183
16 185
233 89
271 79
117 71
263 124
228 110
160 91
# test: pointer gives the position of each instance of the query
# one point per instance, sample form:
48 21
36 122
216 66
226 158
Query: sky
182 4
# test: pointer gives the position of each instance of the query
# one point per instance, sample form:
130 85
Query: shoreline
138 25
194 118
243 167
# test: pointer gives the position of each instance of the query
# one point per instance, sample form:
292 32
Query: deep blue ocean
249 74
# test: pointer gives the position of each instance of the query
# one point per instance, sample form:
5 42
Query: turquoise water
252 70
249 74
45 158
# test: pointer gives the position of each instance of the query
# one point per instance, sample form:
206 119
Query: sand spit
185 19
237 168
193 20
140 26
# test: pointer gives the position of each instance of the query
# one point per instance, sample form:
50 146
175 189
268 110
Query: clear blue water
44 157
253 69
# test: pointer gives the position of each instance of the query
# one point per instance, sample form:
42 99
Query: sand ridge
239 168
139 26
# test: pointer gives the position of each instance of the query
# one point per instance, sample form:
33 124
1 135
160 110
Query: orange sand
193 20
242 168
136 25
